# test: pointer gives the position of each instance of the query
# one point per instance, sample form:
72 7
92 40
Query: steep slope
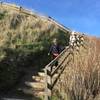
24 39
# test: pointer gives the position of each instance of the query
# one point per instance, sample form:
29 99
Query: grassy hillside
24 40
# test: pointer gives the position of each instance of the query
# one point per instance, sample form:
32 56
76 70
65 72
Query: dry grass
81 79
18 29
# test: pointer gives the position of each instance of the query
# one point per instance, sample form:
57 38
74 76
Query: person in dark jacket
54 50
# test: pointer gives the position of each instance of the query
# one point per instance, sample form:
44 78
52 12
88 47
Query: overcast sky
78 15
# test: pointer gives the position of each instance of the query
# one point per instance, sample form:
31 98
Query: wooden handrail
53 61
50 80
59 65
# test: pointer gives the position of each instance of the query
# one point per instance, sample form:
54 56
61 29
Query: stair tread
38 78
32 91
35 84
11 99
41 73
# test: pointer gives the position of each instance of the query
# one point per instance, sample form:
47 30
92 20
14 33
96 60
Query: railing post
46 87
48 83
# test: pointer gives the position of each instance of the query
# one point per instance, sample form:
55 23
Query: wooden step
41 74
38 78
31 89
11 99
38 85
33 92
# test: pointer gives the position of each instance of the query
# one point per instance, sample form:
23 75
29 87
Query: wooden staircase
44 82
36 87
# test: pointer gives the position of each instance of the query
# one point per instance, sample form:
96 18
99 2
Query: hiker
72 39
55 50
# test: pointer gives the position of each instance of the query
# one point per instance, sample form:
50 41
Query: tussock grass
81 80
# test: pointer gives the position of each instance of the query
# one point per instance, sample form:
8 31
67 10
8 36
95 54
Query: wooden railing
52 72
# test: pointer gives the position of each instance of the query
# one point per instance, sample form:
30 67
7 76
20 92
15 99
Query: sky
78 15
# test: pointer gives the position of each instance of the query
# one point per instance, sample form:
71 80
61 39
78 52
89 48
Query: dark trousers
56 62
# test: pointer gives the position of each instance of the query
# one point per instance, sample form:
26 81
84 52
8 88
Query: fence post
48 83
46 87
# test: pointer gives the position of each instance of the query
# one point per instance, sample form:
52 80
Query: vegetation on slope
24 40
81 80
